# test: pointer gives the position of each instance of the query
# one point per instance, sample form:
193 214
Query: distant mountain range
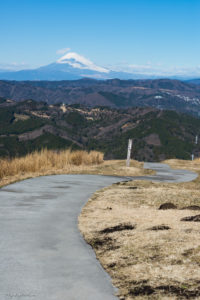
194 81
114 93
73 66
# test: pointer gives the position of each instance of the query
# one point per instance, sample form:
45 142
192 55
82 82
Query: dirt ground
145 238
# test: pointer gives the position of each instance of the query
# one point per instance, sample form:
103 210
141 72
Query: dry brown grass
182 164
47 162
146 263
118 168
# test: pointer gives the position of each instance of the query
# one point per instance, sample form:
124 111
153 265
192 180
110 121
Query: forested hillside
157 134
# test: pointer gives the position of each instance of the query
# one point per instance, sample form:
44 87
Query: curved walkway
42 254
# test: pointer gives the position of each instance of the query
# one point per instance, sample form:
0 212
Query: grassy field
150 253
49 162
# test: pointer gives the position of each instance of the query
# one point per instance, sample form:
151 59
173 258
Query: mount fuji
70 66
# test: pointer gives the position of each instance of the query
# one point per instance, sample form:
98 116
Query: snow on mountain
77 61
73 66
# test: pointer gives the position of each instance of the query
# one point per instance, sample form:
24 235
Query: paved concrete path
165 174
42 254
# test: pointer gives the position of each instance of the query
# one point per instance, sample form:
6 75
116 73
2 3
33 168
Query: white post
192 156
196 139
130 142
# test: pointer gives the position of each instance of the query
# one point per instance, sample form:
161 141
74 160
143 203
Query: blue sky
146 33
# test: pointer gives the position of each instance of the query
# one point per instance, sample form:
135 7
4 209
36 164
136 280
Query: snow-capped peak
77 61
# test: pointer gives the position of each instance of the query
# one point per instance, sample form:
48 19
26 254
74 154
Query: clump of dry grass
78 158
46 160
160 257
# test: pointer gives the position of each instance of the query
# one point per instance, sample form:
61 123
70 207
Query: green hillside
157 135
